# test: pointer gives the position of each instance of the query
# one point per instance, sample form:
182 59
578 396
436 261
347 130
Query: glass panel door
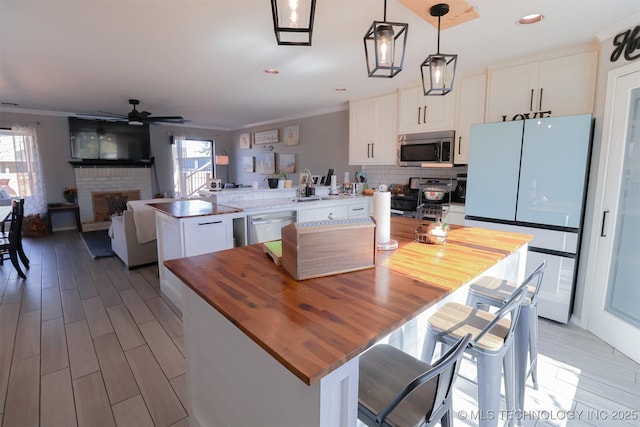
623 295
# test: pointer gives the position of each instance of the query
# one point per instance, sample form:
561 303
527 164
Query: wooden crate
322 248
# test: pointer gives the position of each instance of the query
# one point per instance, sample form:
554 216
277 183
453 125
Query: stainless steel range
428 196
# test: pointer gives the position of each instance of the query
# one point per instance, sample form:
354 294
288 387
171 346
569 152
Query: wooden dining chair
396 389
11 245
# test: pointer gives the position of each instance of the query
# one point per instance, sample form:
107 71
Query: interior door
614 310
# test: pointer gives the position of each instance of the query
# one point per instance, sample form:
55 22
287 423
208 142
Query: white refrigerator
530 176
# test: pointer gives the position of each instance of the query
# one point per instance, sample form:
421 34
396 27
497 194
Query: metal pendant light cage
438 70
293 27
381 63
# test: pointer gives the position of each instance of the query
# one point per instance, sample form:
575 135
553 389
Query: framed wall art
287 163
291 135
265 163
245 140
247 164
266 137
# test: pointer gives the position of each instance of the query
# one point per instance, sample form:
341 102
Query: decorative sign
530 115
265 163
266 137
626 43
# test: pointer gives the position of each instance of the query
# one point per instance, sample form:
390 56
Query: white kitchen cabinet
358 209
471 103
207 234
323 213
558 86
373 130
420 113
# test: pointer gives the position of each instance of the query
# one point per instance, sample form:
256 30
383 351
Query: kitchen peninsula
265 349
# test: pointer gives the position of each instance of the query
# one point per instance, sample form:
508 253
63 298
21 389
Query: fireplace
107 203
134 182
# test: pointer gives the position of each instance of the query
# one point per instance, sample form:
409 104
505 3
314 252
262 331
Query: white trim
629 22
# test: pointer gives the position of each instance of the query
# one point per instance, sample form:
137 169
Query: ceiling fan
138 118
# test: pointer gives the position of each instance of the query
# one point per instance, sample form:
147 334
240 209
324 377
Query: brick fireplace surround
108 179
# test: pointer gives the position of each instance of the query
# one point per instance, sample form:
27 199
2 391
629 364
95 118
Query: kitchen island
265 349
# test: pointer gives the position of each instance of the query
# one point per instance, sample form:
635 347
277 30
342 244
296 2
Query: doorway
614 310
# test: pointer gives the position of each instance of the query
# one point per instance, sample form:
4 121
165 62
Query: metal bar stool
396 389
490 291
492 346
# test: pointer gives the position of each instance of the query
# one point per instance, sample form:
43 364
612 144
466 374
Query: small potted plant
274 178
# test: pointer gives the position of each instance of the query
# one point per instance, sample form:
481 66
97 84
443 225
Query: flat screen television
108 140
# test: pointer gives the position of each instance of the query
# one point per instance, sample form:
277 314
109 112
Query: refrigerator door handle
604 221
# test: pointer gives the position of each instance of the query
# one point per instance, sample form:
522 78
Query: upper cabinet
558 86
471 101
373 131
420 113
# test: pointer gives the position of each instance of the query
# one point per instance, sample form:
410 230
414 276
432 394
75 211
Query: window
192 166
20 169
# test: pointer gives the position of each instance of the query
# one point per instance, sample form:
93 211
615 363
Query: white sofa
133 234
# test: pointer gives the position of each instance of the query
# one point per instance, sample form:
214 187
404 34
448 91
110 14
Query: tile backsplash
392 174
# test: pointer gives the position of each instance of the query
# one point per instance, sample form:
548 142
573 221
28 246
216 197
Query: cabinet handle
604 220
531 101
424 115
459 143
419 114
209 223
357 209
540 102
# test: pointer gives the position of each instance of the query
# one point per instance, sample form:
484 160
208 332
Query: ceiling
204 60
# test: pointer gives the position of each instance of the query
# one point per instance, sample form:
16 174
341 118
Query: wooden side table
51 209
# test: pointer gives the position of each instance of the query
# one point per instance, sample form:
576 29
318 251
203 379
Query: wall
600 148
324 144
55 152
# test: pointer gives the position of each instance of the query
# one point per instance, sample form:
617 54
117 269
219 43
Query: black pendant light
293 21
382 44
439 70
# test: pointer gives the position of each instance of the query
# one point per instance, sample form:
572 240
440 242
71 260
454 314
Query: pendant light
382 43
439 70
293 21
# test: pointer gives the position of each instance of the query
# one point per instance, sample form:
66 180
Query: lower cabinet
182 237
319 214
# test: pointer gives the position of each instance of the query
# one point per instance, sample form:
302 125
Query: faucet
302 188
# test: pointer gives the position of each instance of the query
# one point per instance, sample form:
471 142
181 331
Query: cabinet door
567 84
359 132
511 91
494 163
320 214
420 113
373 131
207 234
472 94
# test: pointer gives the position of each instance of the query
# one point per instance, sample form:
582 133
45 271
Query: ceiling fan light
293 21
135 123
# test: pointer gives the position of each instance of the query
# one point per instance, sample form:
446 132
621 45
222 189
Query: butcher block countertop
191 208
314 326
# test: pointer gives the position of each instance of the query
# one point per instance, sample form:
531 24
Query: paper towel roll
346 178
334 181
382 215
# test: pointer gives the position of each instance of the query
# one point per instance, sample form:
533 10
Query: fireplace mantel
112 163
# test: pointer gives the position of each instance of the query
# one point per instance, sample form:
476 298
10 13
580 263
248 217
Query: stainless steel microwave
429 149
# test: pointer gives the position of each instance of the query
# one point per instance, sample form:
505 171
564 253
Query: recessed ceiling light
271 71
533 18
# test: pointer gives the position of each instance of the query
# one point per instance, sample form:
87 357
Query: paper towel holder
387 246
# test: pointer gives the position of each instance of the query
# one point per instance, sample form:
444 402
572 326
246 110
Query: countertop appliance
428 149
530 176
460 192
266 227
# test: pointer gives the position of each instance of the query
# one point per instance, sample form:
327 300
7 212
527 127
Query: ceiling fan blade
178 119
143 113
99 117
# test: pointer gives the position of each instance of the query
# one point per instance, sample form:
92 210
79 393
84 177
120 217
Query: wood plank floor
87 342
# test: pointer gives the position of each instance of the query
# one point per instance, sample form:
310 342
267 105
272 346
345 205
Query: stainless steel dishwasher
266 226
